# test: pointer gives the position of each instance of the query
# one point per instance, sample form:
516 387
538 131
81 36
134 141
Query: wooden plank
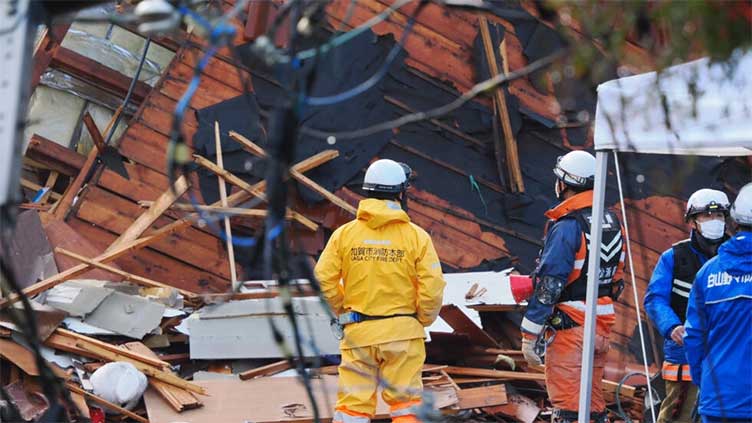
485 396
54 156
96 136
97 74
269 369
306 181
223 202
180 399
99 400
87 341
161 233
245 186
498 374
140 280
152 214
144 368
513 160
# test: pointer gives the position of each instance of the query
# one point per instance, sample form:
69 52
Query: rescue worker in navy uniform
668 292
560 279
718 335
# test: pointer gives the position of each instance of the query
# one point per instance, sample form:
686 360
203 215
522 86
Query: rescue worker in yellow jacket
381 275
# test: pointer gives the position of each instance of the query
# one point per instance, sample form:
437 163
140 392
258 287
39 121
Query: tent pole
591 299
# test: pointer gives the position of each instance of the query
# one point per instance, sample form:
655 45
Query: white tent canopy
631 116
716 121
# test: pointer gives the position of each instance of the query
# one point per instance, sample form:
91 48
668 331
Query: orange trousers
563 367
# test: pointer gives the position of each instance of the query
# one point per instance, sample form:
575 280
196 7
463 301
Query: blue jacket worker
718 338
668 292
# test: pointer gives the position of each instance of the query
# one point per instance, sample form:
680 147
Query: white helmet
706 201
386 176
741 211
576 169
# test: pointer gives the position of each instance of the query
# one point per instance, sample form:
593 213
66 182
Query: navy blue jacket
658 304
718 338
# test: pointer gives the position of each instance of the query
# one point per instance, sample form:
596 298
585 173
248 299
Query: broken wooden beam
54 156
245 186
223 203
158 234
484 396
45 50
139 280
87 340
146 369
269 369
512 155
151 215
251 147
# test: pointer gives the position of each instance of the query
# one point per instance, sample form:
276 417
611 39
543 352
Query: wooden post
223 202
513 161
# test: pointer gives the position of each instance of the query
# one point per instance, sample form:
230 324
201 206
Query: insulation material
61 81
111 55
157 54
53 114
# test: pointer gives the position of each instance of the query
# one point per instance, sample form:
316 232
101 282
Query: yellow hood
377 213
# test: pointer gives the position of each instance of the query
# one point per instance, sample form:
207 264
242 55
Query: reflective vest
686 266
610 255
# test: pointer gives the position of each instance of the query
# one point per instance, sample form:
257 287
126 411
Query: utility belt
577 291
356 317
338 324
561 321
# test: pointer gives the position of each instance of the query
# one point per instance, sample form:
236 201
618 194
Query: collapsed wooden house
482 173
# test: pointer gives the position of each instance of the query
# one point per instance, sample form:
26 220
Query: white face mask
712 229
557 190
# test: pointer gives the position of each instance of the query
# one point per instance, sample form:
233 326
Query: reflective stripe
729 299
679 292
530 326
600 309
682 283
579 263
404 409
341 416
672 371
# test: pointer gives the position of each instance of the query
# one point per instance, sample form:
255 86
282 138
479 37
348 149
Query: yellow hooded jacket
386 265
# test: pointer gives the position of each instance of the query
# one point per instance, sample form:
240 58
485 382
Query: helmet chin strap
403 200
